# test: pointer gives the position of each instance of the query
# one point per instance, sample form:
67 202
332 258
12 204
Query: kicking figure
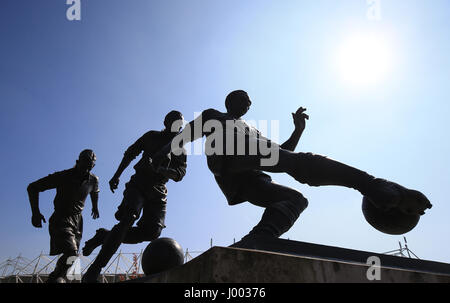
241 177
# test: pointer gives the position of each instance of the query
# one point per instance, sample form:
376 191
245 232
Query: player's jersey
247 140
71 190
146 178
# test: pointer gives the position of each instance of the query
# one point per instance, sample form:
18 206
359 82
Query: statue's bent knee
152 233
293 207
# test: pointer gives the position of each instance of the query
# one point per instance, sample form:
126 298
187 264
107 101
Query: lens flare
364 60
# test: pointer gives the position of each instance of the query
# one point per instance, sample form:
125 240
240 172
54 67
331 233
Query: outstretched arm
191 132
33 189
194 129
94 199
300 122
130 154
33 196
114 182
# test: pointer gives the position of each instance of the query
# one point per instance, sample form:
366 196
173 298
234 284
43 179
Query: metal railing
121 267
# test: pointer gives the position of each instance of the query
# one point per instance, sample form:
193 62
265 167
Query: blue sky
103 81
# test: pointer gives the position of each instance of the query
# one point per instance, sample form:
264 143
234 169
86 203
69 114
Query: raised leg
317 170
138 234
96 241
111 243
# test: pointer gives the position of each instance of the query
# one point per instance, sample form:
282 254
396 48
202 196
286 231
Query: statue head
86 161
173 122
237 103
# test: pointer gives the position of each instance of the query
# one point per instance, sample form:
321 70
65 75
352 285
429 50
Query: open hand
299 118
37 219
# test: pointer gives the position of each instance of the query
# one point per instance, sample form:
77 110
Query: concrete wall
234 265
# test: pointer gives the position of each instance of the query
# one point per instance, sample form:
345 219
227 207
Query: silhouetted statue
146 191
239 173
66 223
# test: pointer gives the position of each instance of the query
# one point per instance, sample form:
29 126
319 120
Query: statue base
285 261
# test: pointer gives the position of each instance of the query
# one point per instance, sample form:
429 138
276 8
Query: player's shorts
233 185
152 205
65 233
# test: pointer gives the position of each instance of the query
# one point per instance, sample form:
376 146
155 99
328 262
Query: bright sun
364 60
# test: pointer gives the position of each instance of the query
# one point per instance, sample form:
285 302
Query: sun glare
364 60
